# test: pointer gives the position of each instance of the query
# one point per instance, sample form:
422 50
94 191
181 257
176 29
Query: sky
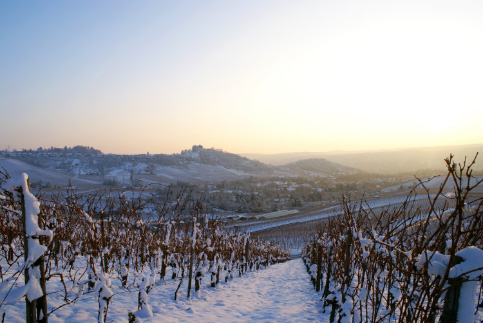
132 77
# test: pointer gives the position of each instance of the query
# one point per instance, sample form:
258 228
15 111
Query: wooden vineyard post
451 300
319 265
10 240
36 310
163 264
218 268
190 275
328 274
103 237
246 254
30 307
347 261
42 301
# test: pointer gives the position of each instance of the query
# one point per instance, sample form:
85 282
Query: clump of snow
437 263
34 290
472 265
470 269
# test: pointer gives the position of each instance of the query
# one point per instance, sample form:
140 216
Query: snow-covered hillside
44 176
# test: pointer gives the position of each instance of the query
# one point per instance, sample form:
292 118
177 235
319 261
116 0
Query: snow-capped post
104 296
144 309
451 300
35 300
30 306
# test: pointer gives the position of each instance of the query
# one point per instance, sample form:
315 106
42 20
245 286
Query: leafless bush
399 264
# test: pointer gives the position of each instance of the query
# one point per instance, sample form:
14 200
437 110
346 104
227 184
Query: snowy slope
192 173
15 168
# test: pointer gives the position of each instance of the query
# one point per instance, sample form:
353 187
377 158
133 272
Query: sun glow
257 77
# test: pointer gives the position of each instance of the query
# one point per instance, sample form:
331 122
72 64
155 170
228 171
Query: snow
193 173
437 263
470 268
472 265
15 168
32 209
120 175
279 293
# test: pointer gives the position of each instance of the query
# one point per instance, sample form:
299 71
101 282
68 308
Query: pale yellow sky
261 76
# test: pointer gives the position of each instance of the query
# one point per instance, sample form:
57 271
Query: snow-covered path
281 293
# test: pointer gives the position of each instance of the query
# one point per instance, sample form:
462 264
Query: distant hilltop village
85 151
198 148
77 150
85 160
